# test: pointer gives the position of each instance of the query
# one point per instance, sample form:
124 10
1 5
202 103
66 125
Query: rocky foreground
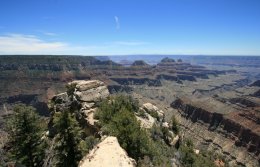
107 153
85 96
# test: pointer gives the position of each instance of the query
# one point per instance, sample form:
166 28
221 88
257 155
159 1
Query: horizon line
223 55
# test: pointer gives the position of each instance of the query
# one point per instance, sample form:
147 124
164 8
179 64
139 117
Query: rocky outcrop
140 63
167 77
83 100
244 102
146 120
167 60
149 115
257 93
90 91
119 88
153 110
256 83
108 153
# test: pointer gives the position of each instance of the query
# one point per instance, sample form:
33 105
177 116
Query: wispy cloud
130 43
117 22
31 44
50 33
28 44
47 33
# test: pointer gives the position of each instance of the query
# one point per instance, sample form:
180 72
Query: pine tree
68 138
26 132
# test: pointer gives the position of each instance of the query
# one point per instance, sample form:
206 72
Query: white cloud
28 44
31 44
117 22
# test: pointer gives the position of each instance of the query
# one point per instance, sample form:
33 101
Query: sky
125 27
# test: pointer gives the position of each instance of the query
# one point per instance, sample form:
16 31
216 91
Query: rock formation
140 63
108 153
153 110
257 93
149 114
256 83
84 98
240 127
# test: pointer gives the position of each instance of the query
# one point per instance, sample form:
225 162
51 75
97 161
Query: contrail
117 23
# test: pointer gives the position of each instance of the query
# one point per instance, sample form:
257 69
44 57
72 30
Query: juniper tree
68 138
26 136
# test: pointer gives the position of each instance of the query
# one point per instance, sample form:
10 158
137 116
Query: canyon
217 104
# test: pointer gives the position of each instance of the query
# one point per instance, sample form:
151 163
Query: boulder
165 124
150 108
90 91
82 85
60 98
146 122
108 153
92 95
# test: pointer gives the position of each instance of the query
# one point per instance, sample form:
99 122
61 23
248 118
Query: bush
154 114
70 89
189 158
117 118
175 125
109 107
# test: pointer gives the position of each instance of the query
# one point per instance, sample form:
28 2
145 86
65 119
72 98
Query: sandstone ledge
108 153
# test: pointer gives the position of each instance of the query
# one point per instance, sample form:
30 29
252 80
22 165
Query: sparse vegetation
118 119
190 159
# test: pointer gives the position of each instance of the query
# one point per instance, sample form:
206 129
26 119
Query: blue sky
120 27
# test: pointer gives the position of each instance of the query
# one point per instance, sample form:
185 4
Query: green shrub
117 118
175 125
109 107
70 89
154 114
189 158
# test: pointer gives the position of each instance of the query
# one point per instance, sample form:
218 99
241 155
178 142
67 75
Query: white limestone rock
149 108
108 153
146 122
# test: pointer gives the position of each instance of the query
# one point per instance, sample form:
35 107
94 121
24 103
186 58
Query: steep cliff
256 83
241 127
